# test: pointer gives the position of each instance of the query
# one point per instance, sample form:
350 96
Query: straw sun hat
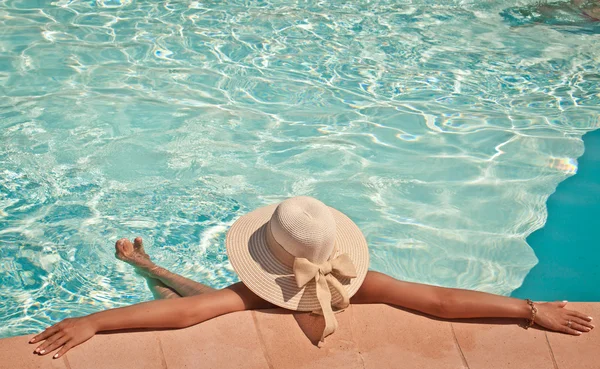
300 255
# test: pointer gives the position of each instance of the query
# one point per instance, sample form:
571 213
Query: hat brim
274 281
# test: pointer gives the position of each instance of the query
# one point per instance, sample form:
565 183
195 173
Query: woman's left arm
452 303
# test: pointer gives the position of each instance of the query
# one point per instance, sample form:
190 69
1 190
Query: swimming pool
438 127
569 259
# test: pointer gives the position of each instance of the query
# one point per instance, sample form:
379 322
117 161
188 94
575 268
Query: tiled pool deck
369 336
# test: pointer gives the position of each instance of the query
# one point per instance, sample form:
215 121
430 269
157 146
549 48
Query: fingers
581 321
53 346
570 331
573 312
580 315
579 327
42 349
63 350
45 334
575 326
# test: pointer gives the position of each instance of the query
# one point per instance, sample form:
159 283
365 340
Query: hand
68 334
554 316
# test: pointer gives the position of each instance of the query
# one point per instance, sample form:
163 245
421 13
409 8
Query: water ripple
440 129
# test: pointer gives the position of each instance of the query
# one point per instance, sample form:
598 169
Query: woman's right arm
171 313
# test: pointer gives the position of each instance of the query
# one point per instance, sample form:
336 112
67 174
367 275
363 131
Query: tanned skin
183 303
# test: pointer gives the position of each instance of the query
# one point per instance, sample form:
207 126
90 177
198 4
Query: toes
139 246
123 246
119 244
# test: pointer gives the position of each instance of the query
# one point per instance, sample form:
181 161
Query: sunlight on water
440 127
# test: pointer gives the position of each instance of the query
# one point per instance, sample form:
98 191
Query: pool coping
368 336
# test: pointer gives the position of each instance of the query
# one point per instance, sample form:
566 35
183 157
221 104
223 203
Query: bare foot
133 254
138 245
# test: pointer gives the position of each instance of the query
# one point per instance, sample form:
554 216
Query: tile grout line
462 355
263 346
352 336
551 352
66 361
163 360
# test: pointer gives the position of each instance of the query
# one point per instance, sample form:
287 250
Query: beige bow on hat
305 271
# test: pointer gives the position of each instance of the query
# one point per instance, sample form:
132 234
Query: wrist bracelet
534 311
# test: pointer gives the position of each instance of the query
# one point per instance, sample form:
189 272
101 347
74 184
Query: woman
303 256
559 13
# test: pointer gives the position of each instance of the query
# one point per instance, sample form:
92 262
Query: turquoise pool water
567 246
440 127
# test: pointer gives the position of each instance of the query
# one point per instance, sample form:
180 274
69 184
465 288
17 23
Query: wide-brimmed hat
300 255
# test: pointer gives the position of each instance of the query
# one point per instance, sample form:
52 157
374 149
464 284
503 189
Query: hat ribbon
305 271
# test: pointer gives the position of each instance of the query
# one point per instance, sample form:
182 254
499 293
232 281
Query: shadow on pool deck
567 246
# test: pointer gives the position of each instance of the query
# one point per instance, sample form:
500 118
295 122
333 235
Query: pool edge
378 336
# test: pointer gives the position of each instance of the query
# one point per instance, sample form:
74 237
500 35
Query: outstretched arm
170 313
452 303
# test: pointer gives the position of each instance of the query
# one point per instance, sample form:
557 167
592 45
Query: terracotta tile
371 336
16 352
502 345
290 340
388 337
581 352
229 341
118 351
